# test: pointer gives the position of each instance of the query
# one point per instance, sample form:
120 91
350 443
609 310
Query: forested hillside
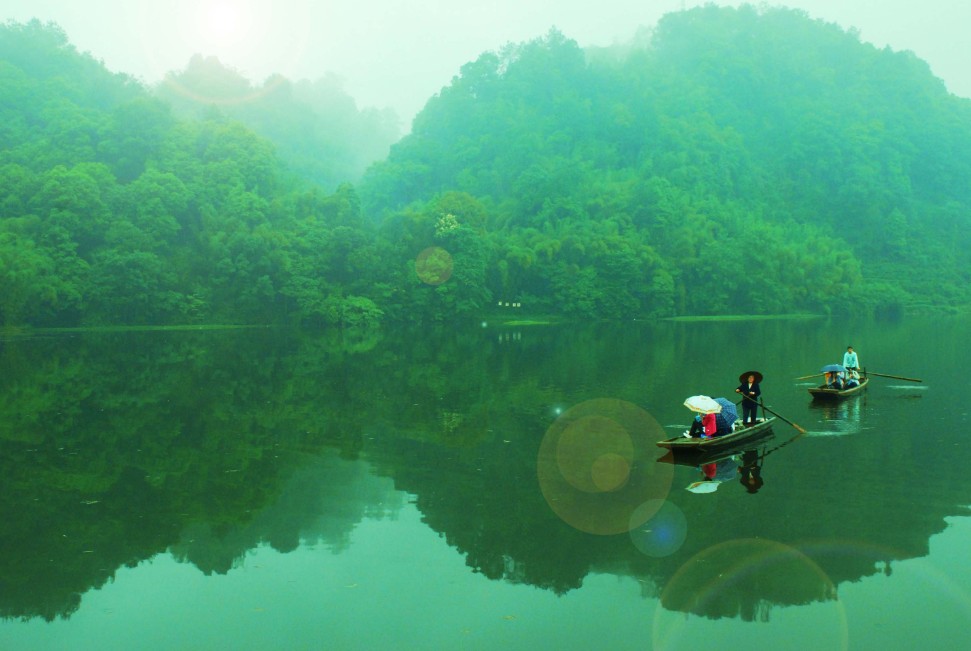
731 160
115 211
727 161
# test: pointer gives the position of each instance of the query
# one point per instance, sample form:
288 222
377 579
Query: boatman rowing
850 362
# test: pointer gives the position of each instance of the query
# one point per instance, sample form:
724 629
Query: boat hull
821 393
736 439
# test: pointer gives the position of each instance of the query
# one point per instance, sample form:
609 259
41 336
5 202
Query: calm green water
491 489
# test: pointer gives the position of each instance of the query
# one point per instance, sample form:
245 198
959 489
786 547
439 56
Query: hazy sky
398 53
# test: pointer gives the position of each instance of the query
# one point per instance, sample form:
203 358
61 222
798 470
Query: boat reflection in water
839 417
743 462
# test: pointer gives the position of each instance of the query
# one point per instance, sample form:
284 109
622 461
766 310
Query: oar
895 377
775 413
782 445
806 377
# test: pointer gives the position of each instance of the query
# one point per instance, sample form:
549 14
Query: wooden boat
740 437
696 458
823 393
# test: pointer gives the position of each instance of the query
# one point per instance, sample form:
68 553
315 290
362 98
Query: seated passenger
697 429
702 426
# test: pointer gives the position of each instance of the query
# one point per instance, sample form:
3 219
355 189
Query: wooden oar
895 377
806 377
782 445
775 413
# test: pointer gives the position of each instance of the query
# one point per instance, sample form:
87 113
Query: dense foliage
116 211
731 160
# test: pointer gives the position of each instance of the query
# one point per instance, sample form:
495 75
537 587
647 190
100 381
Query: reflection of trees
820 525
745 578
318 504
114 448
486 504
476 483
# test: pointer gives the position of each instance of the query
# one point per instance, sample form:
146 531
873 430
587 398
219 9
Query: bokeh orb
662 530
433 265
597 466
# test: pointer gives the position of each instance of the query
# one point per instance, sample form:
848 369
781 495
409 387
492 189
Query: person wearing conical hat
750 404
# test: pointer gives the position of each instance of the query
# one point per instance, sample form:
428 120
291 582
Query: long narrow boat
823 393
741 436
700 457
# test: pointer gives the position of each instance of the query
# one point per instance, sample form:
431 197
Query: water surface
496 487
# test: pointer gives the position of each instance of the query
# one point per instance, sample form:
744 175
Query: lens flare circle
597 465
662 530
743 578
610 472
594 454
433 265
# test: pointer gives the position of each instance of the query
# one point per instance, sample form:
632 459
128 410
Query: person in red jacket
703 426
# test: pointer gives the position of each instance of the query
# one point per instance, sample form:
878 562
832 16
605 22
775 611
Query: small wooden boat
740 437
822 392
694 459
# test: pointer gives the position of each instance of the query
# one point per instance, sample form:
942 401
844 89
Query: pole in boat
895 377
775 413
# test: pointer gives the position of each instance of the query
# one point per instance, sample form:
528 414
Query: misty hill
315 126
730 160
116 210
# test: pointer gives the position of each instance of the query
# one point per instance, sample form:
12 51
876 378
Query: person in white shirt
850 360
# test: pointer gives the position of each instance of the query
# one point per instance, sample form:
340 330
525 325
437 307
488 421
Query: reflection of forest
119 447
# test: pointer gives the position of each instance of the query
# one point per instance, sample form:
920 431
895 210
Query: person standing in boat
750 403
850 359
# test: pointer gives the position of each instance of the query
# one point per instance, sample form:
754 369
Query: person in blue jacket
750 389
